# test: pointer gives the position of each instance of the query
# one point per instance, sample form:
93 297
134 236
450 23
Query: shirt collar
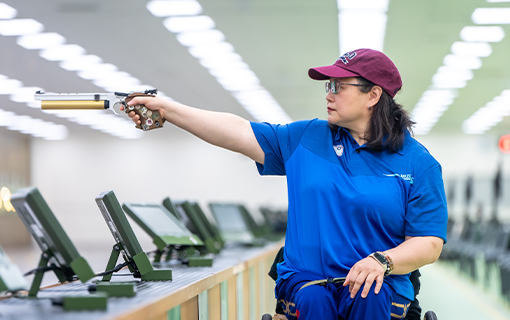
405 145
401 151
341 131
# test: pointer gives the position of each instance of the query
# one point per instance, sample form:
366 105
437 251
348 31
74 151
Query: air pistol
103 101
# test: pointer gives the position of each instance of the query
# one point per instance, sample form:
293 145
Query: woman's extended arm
224 130
413 253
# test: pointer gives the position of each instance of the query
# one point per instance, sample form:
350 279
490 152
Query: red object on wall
504 143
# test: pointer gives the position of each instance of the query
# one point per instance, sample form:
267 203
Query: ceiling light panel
174 8
35 127
474 49
463 62
488 116
20 27
194 38
41 40
81 63
491 16
7 12
186 24
71 57
457 70
25 124
482 34
369 34
208 45
494 111
380 5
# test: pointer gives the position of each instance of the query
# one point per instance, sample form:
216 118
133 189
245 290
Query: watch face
380 258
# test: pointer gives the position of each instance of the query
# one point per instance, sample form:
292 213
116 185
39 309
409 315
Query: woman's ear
373 96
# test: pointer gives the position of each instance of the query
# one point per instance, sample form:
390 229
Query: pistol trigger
116 107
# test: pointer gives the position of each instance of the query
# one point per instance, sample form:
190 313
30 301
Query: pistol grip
150 119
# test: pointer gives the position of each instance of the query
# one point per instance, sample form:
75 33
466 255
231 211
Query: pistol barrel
74 104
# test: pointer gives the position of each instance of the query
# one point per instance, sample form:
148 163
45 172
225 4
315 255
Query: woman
366 200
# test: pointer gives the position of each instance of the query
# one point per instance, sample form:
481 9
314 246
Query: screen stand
81 302
167 251
141 264
168 255
114 256
36 282
186 256
157 256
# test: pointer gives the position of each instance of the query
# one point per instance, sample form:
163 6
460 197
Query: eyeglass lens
333 87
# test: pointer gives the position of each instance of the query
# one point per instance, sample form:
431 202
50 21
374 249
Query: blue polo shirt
347 201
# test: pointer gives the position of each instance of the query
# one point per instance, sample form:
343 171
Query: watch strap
389 265
384 260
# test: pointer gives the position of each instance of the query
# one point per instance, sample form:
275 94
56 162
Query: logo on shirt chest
407 177
339 149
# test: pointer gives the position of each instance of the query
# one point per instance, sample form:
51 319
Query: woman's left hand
365 271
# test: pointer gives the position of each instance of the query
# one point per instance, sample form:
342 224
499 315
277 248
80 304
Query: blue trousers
333 301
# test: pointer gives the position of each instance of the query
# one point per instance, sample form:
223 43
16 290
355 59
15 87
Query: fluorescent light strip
73 57
35 127
455 73
489 115
25 124
7 12
370 33
482 34
493 112
174 8
19 27
491 16
431 106
208 45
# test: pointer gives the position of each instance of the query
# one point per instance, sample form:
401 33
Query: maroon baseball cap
370 64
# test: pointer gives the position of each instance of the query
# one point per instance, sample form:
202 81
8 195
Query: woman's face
349 107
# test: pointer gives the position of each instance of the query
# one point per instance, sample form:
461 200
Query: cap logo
349 55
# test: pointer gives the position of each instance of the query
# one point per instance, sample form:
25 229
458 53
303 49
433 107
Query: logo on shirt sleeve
339 149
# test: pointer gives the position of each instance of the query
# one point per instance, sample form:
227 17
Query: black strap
323 282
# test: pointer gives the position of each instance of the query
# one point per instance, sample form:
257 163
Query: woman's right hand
153 103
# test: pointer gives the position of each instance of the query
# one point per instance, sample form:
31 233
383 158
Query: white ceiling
278 39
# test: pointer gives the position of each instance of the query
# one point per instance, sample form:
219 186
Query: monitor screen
48 233
181 213
213 230
118 224
169 205
159 220
229 217
194 223
11 278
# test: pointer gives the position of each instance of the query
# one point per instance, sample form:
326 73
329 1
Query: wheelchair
429 315
414 308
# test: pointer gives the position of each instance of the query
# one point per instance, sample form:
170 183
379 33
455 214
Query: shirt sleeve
278 143
427 214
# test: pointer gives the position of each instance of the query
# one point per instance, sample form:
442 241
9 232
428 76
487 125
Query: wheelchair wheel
267 316
429 315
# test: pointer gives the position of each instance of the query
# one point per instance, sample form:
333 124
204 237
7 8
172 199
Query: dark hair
389 122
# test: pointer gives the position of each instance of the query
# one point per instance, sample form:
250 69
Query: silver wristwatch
384 260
